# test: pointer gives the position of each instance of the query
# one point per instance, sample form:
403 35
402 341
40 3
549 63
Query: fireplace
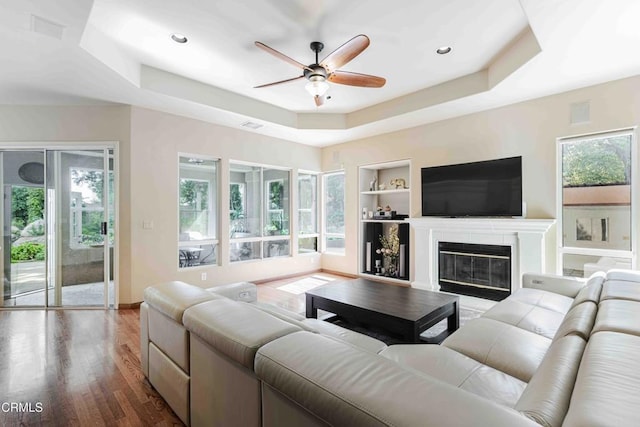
531 242
473 269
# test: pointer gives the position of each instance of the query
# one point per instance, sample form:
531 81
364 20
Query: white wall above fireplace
526 237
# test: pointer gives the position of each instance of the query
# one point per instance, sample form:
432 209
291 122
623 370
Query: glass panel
585 265
334 203
76 187
596 193
276 248
307 244
191 256
244 251
245 201
276 220
307 207
335 244
24 237
198 203
334 213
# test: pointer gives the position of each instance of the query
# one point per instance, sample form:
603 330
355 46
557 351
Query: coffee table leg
311 311
453 321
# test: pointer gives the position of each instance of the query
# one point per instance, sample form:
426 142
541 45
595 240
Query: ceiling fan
319 73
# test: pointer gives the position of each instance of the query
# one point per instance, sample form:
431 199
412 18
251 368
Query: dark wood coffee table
400 310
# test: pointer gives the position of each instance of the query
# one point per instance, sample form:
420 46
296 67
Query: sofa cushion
241 291
546 397
173 298
544 299
618 316
320 326
363 342
458 370
621 274
280 312
606 388
590 293
234 328
345 386
619 289
504 347
531 318
578 321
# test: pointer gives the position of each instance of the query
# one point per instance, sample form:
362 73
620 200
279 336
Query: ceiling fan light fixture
317 86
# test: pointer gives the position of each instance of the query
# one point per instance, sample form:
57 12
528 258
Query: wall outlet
203 276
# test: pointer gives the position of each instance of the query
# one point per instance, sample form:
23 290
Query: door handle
103 228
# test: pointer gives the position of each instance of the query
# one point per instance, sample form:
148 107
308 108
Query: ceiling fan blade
277 83
356 79
345 53
282 56
319 100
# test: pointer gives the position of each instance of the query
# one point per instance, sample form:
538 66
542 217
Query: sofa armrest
567 286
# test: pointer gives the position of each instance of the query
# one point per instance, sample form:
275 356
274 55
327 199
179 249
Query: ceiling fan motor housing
315 72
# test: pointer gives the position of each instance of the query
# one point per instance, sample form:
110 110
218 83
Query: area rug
303 285
466 314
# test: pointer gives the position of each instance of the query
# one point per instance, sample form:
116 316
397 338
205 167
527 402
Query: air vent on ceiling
251 125
46 27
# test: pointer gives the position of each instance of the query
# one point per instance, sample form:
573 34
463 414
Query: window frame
213 209
263 238
325 234
315 210
561 249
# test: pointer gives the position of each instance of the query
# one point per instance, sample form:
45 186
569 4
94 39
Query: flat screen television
487 188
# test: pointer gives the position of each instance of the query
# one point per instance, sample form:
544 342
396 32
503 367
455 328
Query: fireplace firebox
477 270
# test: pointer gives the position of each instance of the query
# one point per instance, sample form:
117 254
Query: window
333 188
87 208
197 205
259 206
307 213
596 203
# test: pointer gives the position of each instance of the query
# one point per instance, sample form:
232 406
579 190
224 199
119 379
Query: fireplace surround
529 240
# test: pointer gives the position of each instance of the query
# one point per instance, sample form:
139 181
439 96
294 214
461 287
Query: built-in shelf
386 221
381 192
402 282
385 175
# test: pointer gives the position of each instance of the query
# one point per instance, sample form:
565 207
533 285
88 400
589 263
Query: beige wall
528 129
157 138
149 143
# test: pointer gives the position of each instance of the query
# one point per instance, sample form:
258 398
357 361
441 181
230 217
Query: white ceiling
504 51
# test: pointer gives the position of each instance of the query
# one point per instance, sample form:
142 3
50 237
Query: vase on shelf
391 266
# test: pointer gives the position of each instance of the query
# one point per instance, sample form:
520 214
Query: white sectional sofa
559 352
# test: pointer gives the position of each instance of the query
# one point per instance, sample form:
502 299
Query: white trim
562 250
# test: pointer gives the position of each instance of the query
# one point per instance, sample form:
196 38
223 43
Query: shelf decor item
390 251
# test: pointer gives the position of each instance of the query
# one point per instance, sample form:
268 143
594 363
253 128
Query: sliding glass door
58 227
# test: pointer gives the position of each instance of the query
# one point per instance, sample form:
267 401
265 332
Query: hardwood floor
82 367
75 368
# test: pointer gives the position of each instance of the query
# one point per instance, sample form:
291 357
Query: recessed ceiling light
178 38
443 50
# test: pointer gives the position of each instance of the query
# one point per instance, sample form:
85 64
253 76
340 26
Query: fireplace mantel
526 237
